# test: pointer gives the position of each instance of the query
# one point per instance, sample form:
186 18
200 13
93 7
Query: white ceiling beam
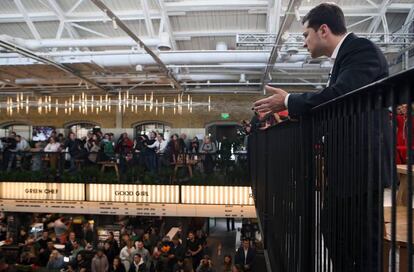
273 16
90 30
358 22
59 13
373 27
77 17
60 30
372 3
125 15
262 5
410 15
217 5
75 6
187 35
148 21
167 24
409 20
27 19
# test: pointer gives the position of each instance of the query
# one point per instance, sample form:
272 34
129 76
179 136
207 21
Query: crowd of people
60 248
150 151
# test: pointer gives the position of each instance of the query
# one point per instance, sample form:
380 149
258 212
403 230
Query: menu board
42 191
224 195
133 193
132 209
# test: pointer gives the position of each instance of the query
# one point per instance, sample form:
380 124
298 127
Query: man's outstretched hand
274 103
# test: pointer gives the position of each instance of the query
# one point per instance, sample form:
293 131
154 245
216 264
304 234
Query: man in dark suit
245 256
356 63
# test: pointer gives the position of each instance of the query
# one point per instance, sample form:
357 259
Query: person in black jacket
177 252
245 256
113 245
75 149
138 264
357 62
10 144
117 266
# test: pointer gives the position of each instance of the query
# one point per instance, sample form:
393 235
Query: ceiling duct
162 42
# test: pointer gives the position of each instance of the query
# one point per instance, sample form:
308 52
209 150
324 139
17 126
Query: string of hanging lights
86 104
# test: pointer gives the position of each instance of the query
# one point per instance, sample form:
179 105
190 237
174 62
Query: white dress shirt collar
338 46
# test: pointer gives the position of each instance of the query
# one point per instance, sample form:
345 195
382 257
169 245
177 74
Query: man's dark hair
329 14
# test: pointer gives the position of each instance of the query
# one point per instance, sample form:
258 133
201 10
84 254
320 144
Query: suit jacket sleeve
239 258
251 257
359 66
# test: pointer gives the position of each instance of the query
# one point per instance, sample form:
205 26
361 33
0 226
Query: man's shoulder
360 44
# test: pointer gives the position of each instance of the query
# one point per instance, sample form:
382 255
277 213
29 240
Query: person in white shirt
160 146
127 254
21 147
22 144
52 146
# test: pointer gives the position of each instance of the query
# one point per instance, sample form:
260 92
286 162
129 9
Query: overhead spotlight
138 68
164 44
292 48
242 78
114 24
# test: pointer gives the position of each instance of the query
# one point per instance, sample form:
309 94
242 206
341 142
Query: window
82 129
146 128
21 129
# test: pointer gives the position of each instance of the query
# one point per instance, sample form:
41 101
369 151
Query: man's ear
324 30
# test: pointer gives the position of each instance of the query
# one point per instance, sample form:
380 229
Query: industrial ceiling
62 47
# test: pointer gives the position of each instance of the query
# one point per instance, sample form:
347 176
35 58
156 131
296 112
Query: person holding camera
205 265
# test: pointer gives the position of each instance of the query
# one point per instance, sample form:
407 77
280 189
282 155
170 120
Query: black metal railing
319 184
281 180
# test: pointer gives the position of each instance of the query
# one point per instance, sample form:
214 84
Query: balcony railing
220 168
319 182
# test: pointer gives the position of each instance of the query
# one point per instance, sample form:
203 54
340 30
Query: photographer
205 265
